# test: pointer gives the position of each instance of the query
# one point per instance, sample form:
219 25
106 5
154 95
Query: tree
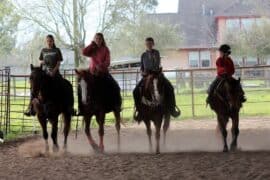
254 41
8 25
65 19
129 40
127 23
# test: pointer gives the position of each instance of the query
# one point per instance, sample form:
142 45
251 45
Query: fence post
192 92
7 94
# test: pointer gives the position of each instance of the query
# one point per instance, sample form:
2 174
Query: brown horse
100 95
55 97
226 102
153 108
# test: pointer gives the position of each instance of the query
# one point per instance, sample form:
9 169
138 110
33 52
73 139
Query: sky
164 6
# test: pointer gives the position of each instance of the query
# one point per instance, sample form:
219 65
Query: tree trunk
76 34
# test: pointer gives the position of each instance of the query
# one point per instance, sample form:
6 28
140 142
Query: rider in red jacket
225 68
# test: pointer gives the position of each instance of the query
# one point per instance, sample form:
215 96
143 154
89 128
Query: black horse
55 97
100 95
226 102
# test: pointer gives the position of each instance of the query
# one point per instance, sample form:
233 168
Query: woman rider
99 67
50 60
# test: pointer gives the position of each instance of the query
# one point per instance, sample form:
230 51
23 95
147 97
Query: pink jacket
100 58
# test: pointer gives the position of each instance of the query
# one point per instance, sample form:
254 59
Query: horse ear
31 67
77 72
239 79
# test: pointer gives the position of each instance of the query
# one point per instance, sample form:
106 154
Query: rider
99 67
150 65
50 60
225 69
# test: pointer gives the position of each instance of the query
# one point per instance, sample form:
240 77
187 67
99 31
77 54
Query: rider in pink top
99 54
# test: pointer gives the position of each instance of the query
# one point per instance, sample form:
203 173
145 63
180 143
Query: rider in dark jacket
150 64
50 60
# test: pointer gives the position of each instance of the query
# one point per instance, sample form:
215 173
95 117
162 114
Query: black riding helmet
225 48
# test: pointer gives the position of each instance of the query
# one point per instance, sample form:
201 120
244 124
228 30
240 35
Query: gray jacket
150 61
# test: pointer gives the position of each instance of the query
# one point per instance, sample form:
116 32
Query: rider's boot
136 95
30 110
174 110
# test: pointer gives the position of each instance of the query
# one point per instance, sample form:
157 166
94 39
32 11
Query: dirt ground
193 151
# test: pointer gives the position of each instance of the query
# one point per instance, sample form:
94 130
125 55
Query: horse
55 97
98 99
227 101
154 109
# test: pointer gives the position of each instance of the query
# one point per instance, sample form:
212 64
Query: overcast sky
165 6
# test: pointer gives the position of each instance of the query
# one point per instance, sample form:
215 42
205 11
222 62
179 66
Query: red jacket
100 57
225 66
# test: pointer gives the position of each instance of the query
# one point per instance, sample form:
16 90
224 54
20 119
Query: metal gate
5 100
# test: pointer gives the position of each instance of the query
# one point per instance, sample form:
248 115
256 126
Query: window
205 58
232 24
247 23
193 58
199 59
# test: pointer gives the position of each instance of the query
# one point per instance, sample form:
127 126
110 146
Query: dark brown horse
153 108
226 102
55 97
100 95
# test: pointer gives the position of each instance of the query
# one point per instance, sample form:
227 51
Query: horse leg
42 121
149 134
67 121
235 131
158 123
222 125
87 120
101 120
54 122
118 126
166 126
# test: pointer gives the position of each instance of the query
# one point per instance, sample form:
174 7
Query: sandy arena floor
192 152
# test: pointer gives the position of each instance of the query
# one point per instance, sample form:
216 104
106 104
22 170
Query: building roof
197 19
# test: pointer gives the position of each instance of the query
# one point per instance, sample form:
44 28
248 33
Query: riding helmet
225 48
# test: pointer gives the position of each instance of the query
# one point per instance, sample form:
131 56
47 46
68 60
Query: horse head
84 79
37 77
233 92
152 94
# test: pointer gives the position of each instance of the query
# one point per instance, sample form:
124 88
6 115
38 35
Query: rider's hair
102 38
52 38
150 39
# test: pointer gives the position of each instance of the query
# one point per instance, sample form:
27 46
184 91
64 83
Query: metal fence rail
190 88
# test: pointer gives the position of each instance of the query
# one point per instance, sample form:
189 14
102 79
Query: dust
183 136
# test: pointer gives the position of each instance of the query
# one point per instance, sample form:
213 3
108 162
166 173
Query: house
203 25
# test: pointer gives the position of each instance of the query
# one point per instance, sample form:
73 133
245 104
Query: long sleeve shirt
100 57
225 66
150 61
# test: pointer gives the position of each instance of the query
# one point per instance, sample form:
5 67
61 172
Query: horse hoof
95 148
225 150
55 148
233 148
157 152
